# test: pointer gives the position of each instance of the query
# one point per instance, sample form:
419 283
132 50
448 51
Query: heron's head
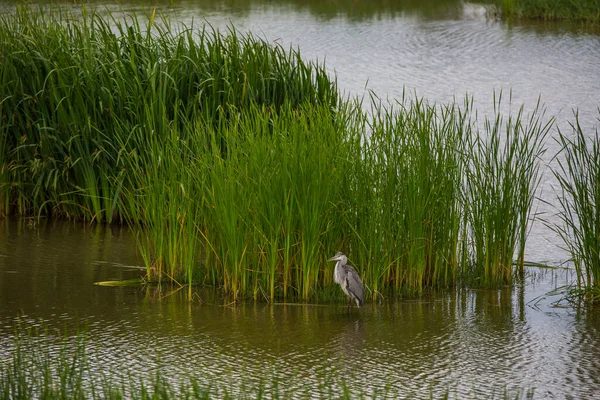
339 257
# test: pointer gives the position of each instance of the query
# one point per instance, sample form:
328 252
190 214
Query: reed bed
402 199
239 165
82 93
500 184
578 174
586 11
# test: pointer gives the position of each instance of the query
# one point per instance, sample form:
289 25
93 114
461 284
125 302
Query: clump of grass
36 370
586 11
39 366
115 120
269 202
239 166
402 195
79 93
500 184
578 174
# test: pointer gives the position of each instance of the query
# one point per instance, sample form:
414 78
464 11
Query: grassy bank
586 11
240 167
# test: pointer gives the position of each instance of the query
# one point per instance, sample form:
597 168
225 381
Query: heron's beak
332 259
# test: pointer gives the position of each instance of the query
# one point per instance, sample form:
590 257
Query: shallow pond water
472 343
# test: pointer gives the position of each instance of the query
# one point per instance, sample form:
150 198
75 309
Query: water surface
470 342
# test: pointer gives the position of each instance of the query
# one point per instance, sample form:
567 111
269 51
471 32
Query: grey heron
348 279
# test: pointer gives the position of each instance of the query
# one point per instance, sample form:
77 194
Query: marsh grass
269 203
81 93
578 174
239 167
403 198
44 366
501 180
586 11
114 120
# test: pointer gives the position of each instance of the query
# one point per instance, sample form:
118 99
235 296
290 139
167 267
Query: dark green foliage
80 95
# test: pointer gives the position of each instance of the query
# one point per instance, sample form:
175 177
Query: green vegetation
81 103
578 173
501 180
239 166
405 197
587 11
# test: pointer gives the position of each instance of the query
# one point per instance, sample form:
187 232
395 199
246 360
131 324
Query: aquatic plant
239 166
500 184
403 195
586 11
269 202
578 174
81 93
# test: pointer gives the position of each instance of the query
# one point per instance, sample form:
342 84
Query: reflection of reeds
578 174
239 166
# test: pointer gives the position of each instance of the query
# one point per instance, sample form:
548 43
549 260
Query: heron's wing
355 286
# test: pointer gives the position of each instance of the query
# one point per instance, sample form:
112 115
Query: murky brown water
472 343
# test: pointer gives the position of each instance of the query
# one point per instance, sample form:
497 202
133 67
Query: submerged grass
578 174
239 166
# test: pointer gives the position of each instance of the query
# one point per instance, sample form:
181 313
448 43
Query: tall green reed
578 173
404 195
500 185
112 118
269 199
75 83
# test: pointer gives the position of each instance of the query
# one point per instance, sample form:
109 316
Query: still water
472 343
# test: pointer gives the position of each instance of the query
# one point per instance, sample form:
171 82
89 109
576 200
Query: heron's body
348 279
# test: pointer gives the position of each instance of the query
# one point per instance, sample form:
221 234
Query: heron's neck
338 273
